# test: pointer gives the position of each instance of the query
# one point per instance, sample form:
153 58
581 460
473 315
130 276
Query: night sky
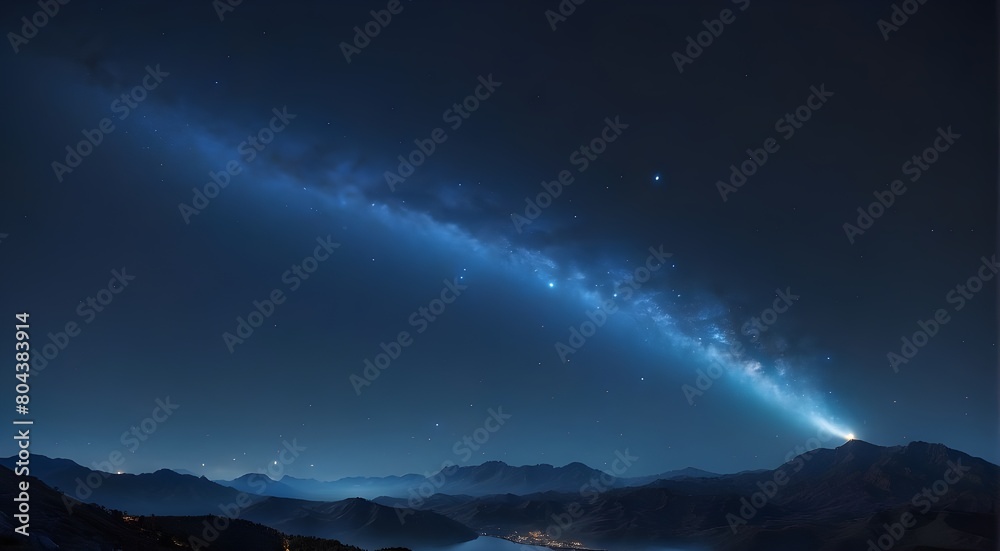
649 249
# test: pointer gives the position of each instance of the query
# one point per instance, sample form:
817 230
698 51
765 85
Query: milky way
697 327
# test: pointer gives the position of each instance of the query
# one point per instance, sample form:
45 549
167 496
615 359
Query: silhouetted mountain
161 493
358 521
492 477
496 477
168 493
239 535
260 484
823 500
687 472
95 528
344 488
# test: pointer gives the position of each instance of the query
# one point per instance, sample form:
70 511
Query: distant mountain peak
858 443
255 476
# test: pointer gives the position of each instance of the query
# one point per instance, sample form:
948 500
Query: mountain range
919 496
492 477
97 528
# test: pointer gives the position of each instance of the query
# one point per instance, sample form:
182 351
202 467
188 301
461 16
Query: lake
486 543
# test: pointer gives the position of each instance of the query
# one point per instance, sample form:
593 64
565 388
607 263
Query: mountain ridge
825 499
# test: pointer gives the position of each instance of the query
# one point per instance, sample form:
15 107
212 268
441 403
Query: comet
831 429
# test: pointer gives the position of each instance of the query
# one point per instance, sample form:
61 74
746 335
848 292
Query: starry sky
571 253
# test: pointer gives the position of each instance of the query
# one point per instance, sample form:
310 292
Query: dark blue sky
322 175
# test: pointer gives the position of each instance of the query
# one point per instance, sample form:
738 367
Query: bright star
551 284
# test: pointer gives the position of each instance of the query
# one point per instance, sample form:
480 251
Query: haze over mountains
98 528
492 477
843 498
167 493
